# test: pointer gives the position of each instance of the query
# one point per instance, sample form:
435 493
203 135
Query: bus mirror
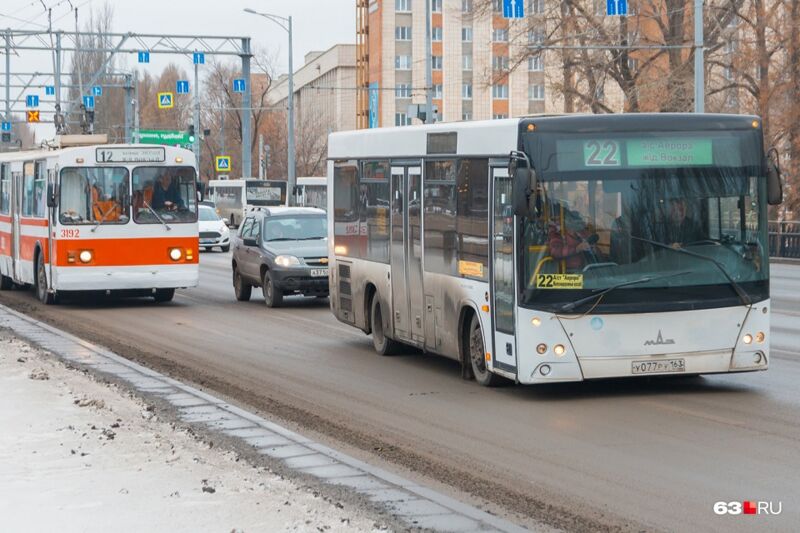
51 195
523 182
774 181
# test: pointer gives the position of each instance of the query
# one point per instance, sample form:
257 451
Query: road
608 455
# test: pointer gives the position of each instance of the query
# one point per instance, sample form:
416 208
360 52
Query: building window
402 5
500 63
402 62
436 6
436 62
402 33
536 36
402 90
500 91
730 47
535 63
466 115
401 119
536 7
466 62
536 92
499 116
633 64
437 90
500 35
436 33
727 72
497 6
466 6
466 34
466 91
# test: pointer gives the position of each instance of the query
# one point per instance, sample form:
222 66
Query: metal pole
260 156
699 73
135 138
128 106
196 122
292 176
8 75
247 136
78 56
58 69
428 66
222 132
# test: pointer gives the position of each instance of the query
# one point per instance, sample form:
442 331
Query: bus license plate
319 272
657 367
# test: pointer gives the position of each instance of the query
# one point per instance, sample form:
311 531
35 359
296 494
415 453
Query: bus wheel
477 356
241 289
273 296
6 283
383 344
164 295
46 297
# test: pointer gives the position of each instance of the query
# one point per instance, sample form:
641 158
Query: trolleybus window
28 176
39 190
89 195
164 194
5 189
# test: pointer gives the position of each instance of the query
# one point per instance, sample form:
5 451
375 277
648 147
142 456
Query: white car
213 230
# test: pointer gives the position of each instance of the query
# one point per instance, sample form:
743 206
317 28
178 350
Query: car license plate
319 272
207 241
657 367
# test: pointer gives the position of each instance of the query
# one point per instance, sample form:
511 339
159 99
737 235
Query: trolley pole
8 75
196 122
699 60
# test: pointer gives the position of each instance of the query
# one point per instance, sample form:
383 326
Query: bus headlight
559 350
747 339
340 249
85 256
760 337
175 254
541 349
287 261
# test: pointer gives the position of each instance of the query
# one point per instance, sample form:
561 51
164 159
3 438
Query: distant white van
312 192
233 197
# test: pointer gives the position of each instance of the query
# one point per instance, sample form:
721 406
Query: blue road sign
144 57
97 90
222 163
239 85
49 90
616 7
32 100
182 87
6 126
88 101
373 104
199 58
514 9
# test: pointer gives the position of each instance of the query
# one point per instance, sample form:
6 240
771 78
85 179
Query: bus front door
503 293
400 305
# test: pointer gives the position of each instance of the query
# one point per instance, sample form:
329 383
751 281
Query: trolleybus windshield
91 195
164 194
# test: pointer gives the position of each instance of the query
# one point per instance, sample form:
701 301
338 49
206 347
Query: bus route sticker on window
559 281
470 268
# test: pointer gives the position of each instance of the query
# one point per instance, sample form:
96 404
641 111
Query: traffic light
190 133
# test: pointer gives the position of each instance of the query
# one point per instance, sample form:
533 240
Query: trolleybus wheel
6 283
241 289
273 296
45 296
383 344
164 295
477 356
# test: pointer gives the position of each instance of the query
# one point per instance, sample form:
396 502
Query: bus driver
166 194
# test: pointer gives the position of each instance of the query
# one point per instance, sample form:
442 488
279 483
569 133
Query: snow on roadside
80 455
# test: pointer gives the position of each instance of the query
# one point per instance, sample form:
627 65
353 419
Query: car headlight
286 260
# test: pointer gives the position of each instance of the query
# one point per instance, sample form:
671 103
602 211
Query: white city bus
114 218
558 248
312 192
233 197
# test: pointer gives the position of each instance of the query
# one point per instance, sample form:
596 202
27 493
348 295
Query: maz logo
659 340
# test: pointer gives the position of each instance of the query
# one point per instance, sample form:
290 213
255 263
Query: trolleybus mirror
774 181
51 195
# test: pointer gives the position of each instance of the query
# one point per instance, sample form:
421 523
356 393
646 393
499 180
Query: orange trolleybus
98 217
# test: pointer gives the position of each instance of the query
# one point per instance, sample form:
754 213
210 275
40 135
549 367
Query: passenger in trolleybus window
164 194
92 195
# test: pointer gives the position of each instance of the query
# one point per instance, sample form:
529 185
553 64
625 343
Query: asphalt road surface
630 455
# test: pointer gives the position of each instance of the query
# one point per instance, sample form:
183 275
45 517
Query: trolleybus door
400 304
503 293
16 207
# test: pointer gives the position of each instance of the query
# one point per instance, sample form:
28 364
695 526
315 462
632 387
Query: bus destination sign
130 155
640 152
669 152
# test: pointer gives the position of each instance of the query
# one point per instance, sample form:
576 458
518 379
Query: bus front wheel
477 356
383 344
45 296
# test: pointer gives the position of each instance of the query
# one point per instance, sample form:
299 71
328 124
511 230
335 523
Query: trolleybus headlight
760 337
85 256
340 250
286 260
175 254
747 339
559 350
541 349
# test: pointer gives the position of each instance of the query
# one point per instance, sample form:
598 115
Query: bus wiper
311 238
572 305
743 296
156 215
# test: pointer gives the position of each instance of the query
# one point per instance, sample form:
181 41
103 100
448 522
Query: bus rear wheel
6 283
45 296
383 344
477 356
164 295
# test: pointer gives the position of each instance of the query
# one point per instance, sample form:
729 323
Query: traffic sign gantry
33 116
239 85
88 101
166 101
222 163
182 86
32 100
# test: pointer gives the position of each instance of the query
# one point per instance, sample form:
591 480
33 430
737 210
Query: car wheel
164 295
382 344
273 296
241 289
45 296
477 356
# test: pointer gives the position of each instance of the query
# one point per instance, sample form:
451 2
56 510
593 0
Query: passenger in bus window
576 245
681 229
165 194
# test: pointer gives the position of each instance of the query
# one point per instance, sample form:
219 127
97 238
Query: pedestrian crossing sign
166 101
222 163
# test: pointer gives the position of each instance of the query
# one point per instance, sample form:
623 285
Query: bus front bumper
88 278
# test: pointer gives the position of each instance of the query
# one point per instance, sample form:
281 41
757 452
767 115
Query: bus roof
88 153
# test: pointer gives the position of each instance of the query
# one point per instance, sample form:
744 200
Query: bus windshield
164 194
91 195
265 193
681 215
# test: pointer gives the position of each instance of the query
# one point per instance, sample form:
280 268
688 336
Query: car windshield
295 228
91 195
207 214
638 217
164 195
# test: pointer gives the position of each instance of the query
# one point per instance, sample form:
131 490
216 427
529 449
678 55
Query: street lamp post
286 24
